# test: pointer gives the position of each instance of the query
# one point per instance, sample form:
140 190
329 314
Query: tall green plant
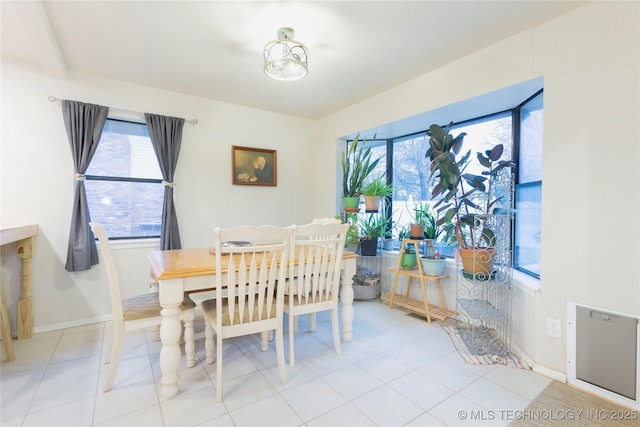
465 198
357 165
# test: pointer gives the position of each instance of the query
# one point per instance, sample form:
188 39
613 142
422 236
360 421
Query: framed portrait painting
254 166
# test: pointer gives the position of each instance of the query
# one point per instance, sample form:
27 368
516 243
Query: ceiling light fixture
285 59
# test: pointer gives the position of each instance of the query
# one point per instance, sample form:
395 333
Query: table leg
7 336
171 292
153 287
346 297
25 304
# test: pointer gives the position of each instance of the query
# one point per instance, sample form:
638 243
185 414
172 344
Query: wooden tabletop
13 233
181 263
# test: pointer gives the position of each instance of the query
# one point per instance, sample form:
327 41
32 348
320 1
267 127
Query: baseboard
547 372
522 355
72 324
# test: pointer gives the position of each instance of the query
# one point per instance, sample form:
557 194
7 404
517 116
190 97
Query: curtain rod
57 100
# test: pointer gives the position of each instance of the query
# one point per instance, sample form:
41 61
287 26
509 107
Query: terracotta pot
478 260
371 203
417 231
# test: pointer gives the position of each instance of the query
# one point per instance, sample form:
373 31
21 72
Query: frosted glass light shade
285 59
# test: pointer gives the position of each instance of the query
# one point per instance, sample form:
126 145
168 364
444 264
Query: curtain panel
166 138
83 123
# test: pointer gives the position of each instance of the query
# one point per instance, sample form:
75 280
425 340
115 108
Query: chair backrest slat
318 248
252 272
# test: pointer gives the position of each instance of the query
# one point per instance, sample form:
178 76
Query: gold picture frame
254 166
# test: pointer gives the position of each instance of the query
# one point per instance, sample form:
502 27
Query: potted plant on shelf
373 191
371 229
433 263
357 165
467 200
408 255
423 222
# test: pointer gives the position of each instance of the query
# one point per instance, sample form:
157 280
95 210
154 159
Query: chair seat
148 305
210 310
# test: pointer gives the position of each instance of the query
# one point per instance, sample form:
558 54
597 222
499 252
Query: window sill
151 243
524 282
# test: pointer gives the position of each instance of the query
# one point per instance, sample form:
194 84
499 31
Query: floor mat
481 347
564 405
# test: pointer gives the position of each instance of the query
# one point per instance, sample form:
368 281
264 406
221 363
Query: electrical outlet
554 328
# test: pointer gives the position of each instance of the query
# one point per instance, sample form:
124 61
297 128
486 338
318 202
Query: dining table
177 271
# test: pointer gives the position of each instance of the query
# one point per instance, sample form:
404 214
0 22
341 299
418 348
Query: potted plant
446 243
388 240
357 165
352 238
433 262
392 238
371 229
408 255
466 199
373 191
423 222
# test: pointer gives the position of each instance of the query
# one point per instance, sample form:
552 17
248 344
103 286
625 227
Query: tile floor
397 371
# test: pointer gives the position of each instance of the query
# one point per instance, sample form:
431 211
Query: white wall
589 59
36 181
592 134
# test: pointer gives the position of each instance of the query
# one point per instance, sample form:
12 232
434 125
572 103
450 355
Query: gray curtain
84 124
166 137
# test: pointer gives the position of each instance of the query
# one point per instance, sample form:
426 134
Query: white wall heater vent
602 353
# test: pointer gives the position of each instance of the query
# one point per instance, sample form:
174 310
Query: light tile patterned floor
397 371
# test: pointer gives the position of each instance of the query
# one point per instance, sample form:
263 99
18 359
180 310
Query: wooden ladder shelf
440 312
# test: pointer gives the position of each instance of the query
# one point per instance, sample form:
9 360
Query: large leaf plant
463 198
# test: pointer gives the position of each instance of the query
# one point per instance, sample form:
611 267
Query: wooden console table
440 312
24 236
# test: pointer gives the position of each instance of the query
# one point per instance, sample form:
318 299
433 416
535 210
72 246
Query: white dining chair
312 316
247 298
137 312
314 282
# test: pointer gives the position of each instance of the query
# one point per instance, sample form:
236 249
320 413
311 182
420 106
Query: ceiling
213 49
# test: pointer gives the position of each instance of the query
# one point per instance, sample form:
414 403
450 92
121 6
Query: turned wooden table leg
25 304
7 336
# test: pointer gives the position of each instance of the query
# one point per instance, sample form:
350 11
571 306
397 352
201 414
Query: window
411 169
519 129
124 182
528 191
